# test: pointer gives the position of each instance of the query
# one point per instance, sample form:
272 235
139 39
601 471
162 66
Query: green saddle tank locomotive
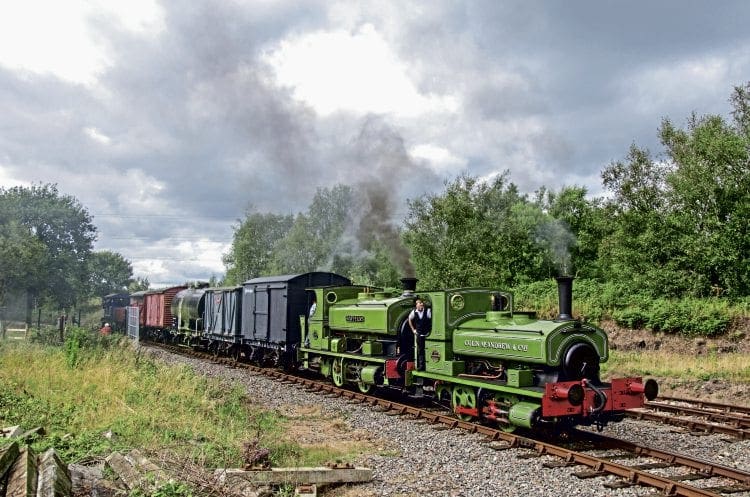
488 361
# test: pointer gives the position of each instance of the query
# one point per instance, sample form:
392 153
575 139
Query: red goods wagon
158 304
136 300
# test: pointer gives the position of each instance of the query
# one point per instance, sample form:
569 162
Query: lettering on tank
496 345
355 319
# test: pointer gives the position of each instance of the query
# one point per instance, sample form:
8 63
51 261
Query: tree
476 234
138 284
64 228
109 272
586 222
680 223
19 251
315 238
253 246
709 193
640 250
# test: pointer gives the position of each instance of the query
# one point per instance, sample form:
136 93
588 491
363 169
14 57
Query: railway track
697 416
643 459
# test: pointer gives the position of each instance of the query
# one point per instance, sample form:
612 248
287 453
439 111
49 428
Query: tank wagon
486 360
187 309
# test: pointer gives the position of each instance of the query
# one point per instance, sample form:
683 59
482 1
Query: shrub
596 301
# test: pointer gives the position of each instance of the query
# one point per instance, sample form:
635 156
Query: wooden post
22 480
54 477
8 455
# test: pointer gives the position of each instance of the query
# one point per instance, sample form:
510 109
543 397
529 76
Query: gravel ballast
420 460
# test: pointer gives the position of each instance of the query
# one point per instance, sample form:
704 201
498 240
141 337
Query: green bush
689 316
595 301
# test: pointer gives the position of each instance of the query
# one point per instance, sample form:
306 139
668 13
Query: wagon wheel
337 371
236 353
213 348
463 396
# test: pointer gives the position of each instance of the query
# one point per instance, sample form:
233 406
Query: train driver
420 321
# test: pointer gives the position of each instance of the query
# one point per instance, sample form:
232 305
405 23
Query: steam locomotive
480 356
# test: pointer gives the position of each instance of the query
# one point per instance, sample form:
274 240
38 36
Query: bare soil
717 390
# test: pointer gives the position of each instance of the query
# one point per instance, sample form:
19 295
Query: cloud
171 121
340 71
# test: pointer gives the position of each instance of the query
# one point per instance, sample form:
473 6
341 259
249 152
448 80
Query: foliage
592 300
64 228
167 489
595 301
109 272
585 221
138 284
19 251
324 238
476 234
312 243
253 246
689 316
680 223
144 404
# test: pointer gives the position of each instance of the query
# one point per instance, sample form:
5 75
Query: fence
133 322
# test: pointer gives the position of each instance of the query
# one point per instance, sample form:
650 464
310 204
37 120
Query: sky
170 121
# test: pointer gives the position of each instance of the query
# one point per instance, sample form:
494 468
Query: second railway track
698 416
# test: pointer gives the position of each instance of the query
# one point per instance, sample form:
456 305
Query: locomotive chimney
409 285
565 298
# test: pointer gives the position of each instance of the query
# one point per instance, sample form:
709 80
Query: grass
734 367
95 385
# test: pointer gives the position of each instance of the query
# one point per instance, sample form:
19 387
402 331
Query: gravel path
423 461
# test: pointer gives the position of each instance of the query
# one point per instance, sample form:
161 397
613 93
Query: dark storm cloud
187 128
577 68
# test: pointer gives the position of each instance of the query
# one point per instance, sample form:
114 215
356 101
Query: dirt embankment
719 390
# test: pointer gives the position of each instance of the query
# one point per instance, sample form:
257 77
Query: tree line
671 224
46 251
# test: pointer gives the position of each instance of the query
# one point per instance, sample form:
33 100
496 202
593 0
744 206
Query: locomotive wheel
506 401
443 393
464 397
365 388
337 371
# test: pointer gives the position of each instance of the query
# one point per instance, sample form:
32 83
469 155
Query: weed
169 489
90 387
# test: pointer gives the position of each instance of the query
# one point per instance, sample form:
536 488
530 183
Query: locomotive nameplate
521 347
355 319
483 344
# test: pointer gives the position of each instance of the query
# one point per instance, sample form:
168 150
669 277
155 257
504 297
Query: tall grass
733 367
97 385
